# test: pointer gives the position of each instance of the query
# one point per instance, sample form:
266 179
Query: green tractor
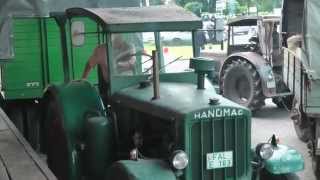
252 71
160 120
31 56
301 71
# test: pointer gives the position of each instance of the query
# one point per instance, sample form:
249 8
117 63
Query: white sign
219 160
219 112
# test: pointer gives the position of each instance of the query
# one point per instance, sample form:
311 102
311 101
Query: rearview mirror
77 33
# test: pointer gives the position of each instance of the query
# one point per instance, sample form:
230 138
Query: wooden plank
20 160
3 172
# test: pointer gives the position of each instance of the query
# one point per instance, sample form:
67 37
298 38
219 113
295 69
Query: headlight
179 159
265 151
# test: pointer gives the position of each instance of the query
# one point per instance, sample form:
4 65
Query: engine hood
178 100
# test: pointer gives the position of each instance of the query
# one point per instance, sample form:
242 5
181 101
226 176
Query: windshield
241 35
131 52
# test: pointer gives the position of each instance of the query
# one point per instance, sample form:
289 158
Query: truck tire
241 83
300 122
283 102
316 166
16 115
33 126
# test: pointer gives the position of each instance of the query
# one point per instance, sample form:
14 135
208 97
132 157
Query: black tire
241 83
16 115
316 166
300 122
56 140
33 126
283 102
265 175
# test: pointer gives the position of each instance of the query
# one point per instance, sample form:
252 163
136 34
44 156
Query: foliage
194 7
207 6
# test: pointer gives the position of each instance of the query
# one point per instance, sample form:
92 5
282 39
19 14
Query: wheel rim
243 89
239 88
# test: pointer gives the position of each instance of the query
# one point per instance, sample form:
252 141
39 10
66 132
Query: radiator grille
217 135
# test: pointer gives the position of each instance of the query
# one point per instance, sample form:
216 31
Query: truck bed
18 161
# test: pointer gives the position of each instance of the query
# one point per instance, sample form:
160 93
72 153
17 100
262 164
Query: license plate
271 84
219 160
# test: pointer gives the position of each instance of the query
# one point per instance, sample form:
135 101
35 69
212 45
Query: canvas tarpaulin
42 8
311 34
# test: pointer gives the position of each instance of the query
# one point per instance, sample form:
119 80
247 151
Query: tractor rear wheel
56 140
241 83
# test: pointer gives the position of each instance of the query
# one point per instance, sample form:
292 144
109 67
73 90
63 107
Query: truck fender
140 170
284 160
264 70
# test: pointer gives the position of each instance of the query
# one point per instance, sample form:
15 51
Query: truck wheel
241 83
300 122
16 115
283 102
33 126
56 140
316 166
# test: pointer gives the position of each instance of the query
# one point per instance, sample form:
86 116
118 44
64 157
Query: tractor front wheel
265 175
241 83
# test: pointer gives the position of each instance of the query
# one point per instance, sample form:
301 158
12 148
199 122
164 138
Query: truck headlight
264 151
179 159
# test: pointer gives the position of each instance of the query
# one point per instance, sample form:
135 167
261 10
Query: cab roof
251 20
140 19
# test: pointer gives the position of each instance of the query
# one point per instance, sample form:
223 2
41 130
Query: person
123 55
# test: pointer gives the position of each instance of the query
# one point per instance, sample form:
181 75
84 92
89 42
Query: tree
194 7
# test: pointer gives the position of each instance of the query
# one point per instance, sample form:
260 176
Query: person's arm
93 60
130 60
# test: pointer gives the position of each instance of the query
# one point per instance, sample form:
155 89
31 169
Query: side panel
55 69
22 76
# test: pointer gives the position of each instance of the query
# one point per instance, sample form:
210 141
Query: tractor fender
78 103
259 63
142 169
284 160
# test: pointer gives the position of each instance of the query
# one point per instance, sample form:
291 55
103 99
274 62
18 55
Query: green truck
158 121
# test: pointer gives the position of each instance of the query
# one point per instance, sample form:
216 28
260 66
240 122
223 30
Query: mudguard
140 170
284 160
77 100
268 82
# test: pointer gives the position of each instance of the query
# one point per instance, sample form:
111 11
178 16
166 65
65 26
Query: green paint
141 170
78 99
285 160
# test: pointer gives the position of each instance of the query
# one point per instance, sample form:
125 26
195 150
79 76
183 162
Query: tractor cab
129 40
155 116
254 33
